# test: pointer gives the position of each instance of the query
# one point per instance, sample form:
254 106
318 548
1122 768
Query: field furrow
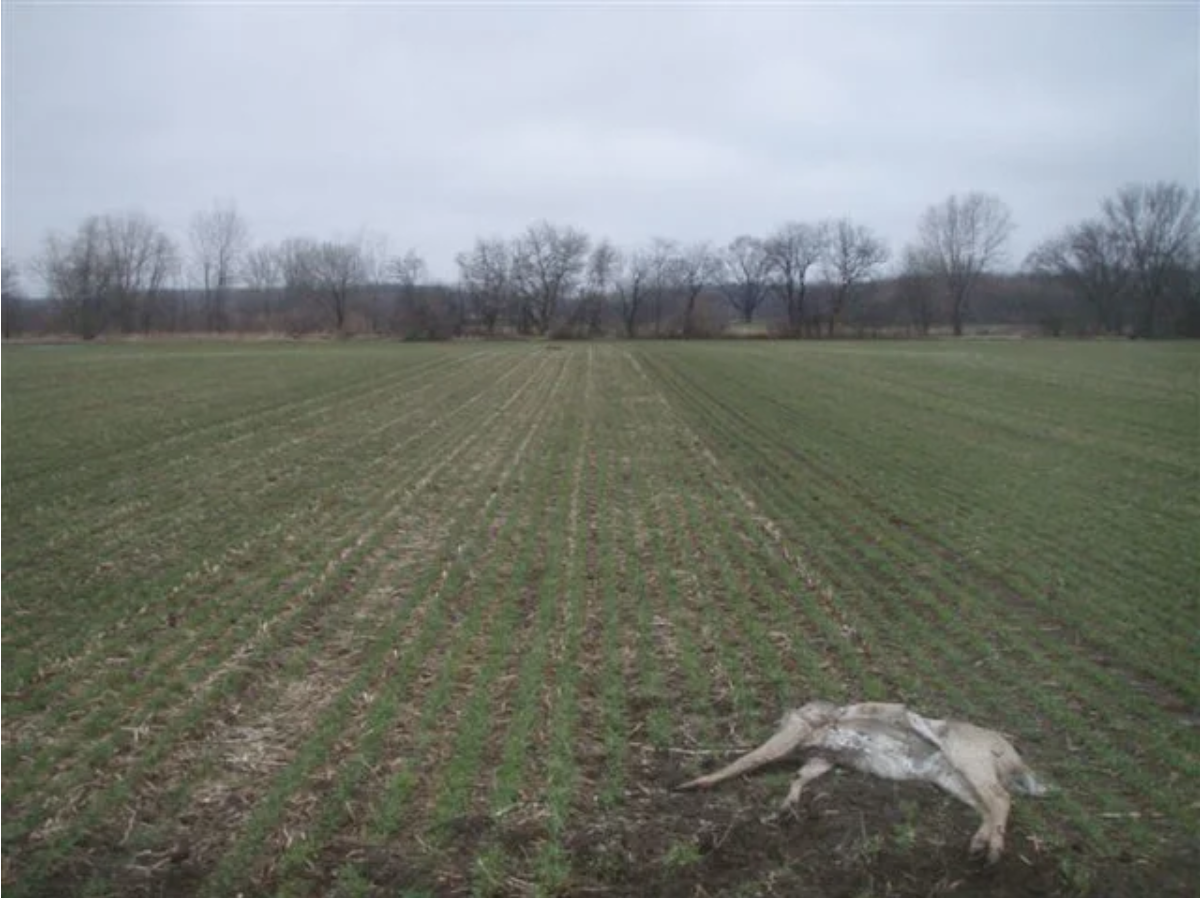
981 641
198 520
158 679
368 619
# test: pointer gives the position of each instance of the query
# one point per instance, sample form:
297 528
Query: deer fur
976 765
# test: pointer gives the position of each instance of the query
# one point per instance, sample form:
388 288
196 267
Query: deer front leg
813 768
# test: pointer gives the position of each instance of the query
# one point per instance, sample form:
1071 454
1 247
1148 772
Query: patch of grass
680 855
488 873
334 614
351 882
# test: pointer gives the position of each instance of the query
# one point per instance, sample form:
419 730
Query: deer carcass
976 765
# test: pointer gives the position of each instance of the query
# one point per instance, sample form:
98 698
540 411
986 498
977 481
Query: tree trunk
956 312
689 312
339 312
1149 320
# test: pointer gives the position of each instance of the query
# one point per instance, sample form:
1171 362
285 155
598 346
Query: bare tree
791 251
915 286
747 267
1090 259
1158 227
339 268
603 270
164 269
852 255
696 267
663 258
220 239
547 265
410 312
263 276
141 260
297 258
113 272
327 273
409 270
11 297
633 287
484 273
376 277
961 240
76 277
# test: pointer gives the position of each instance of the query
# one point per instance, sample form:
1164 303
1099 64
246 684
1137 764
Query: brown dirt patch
854 836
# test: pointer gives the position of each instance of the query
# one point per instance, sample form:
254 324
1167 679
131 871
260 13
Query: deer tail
1024 781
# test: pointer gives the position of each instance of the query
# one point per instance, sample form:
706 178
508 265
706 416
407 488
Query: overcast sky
433 125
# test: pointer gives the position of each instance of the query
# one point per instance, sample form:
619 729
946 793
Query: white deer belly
881 750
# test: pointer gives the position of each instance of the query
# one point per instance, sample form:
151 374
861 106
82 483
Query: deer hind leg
994 804
984 798
812 769
991 834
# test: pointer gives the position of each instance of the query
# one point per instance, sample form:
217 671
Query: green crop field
382 619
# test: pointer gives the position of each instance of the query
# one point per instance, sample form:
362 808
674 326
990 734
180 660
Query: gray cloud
436 125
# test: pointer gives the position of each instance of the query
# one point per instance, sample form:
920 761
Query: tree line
1133 269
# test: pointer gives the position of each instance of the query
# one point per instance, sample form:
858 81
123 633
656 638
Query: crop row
901 600
257 634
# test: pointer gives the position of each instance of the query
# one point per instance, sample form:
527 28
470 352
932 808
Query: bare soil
854 836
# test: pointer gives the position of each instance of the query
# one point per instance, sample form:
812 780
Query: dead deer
975 765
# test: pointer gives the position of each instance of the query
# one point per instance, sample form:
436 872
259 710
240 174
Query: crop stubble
456 623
